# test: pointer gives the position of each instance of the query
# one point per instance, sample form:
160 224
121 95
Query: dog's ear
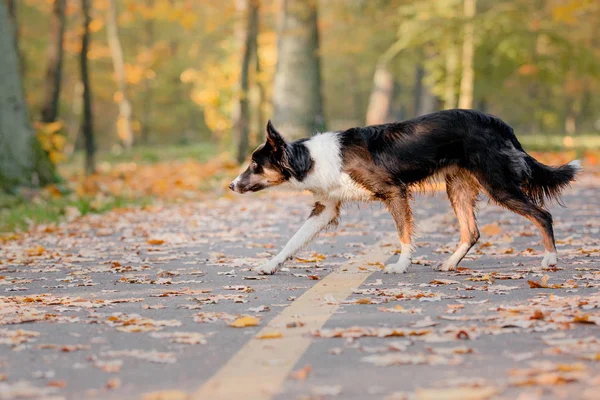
274 138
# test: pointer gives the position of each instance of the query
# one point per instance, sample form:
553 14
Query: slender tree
297 101
124 127
451 70
260 99
465 99
22 160
54 57
382 94
247 34
87 124
147 100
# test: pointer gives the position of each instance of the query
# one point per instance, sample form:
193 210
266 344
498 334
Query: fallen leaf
244 322
491 229
302 373
270 335
113 383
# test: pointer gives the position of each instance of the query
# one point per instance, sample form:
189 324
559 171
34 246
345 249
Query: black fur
414 150
292 159
299 162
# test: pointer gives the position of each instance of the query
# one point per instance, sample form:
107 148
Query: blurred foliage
537 62
141 177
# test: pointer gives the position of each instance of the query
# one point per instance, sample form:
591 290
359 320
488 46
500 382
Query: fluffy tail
546 183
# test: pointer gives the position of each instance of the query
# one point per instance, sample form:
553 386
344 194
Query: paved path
140 305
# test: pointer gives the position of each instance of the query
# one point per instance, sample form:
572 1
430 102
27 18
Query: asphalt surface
138 304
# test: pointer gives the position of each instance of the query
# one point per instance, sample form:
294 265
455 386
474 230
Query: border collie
471 150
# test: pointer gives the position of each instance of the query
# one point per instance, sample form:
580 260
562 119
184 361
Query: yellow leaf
96 25
244 322
36 251
155 241
53 127
59 141
56 157
364 300
270 335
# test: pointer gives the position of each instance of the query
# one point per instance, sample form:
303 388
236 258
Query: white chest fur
326 179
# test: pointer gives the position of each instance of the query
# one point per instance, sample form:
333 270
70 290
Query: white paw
269 268
550 259
399 268
446 266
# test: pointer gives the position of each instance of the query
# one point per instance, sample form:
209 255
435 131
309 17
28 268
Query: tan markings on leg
399 207
462 191
546 238
317 209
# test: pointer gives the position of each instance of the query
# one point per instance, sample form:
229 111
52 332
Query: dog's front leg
323 214
399 206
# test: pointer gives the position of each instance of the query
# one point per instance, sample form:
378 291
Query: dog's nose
232 186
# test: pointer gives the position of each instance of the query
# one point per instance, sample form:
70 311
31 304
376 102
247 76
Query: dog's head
267 167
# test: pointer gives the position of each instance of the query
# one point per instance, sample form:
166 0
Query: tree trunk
74 120
87 124
382 94
247 35
147 100
14 22
418 90
424 99
451 70
55 60
261 99
124 126
466 83
297 101
22 160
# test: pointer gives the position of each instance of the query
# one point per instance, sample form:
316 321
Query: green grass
554 142
17 212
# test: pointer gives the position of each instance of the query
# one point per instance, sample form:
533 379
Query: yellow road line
258 370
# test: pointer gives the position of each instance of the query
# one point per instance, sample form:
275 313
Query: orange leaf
491 229
301 374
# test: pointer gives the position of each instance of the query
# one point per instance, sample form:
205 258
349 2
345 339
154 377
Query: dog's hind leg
462 191
399 206
516 201
323 214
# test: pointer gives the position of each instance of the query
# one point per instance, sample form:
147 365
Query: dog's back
408 152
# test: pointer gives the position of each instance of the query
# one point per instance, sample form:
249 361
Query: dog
472 151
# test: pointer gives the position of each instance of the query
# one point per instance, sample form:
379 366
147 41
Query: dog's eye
253 165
